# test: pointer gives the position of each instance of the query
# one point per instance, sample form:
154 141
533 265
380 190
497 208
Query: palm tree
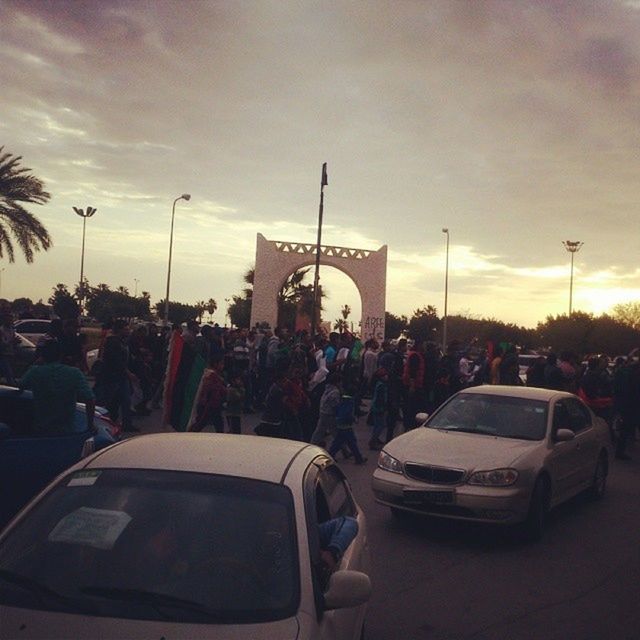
18 186
211 307
200 306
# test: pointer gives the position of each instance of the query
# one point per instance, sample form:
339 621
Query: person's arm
90 408
85 394
335 537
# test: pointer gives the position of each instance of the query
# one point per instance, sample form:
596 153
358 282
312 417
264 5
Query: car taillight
114 428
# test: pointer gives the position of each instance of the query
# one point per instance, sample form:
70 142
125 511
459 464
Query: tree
424 323
104 304
178 311
395 326
628 313
64 304
22 307
201 307
240 311
18 186
211 307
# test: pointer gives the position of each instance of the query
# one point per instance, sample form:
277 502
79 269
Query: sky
514 124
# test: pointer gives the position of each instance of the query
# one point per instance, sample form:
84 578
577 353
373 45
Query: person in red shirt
211 397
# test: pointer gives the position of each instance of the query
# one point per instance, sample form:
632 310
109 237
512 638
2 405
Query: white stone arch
276 261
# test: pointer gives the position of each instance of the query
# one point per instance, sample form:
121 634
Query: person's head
334 338
120 328
552 359
216 362
334 378
193 326
55 328
592 363
236 380
51 351
402 345
206 331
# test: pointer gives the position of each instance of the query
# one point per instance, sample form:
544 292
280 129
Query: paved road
438 580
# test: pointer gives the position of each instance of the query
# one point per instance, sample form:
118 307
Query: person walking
344 434
379 408
235 403
8 341
56 388
211 397
114 380
327 414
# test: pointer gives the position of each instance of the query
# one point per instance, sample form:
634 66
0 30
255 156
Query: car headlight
494 478
389 463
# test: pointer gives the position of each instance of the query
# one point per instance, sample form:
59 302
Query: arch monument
276 261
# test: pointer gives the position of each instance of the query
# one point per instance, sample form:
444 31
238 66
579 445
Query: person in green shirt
56 388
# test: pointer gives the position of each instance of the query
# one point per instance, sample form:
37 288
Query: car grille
434 475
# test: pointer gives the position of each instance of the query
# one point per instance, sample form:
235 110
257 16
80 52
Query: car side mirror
347 589
5 432
564 435
421 418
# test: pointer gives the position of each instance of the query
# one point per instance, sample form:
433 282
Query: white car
32 328
497 454
190 535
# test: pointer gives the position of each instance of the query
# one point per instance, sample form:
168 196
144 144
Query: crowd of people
312 388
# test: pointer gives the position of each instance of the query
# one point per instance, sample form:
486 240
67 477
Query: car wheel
538 510
599 484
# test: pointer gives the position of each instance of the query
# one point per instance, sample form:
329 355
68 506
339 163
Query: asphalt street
440 580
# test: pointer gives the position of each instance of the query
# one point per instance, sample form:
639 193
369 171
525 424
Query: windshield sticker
98 528
84 478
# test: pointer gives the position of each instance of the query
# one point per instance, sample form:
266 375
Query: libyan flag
182 383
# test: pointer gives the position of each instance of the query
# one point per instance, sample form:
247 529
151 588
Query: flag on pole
325 180
182 382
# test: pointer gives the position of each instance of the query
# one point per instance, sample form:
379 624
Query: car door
330 497
587 448
29 459
565 462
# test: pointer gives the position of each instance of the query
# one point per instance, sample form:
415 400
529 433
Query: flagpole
316 279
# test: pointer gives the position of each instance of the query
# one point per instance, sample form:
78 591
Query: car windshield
494 415
156 545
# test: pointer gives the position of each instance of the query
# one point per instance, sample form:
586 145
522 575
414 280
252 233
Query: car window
493 415
336 493
571 414
158 545
33 327
579 416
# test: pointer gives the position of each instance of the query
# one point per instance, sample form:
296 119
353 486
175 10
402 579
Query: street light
84 215
184 196
572 247
446 294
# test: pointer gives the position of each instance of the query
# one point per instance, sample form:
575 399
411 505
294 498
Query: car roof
529 393
246 456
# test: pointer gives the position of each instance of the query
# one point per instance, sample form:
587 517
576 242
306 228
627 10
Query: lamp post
227 316
184 196
84 215
135 295
572 247
446 294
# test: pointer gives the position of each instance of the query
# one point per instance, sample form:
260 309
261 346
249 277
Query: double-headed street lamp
84 215
572 247
184 196
446 294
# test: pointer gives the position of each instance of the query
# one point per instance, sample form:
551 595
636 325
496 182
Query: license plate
428 497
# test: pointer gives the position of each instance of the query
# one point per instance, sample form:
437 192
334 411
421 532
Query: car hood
458 450
28 624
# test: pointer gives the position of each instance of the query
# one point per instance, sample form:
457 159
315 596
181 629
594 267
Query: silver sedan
496 454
